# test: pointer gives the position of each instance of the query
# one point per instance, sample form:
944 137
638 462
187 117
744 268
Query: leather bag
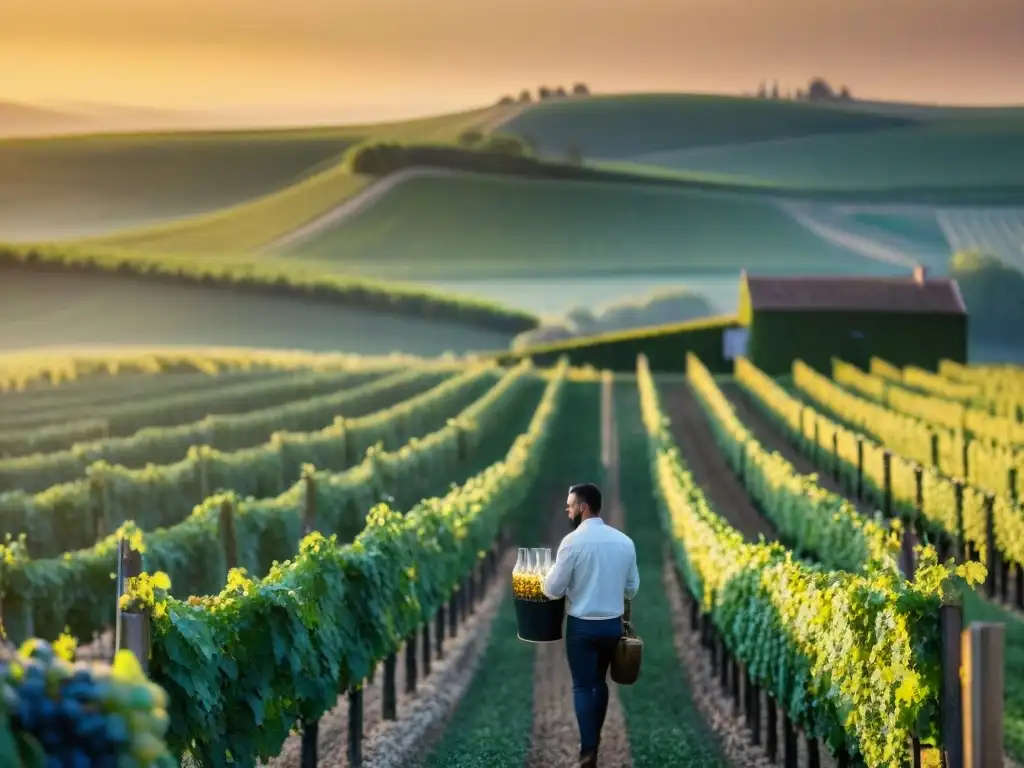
629 652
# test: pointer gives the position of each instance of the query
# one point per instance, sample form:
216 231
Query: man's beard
574 522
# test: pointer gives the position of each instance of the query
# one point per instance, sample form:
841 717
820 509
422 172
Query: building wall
779 338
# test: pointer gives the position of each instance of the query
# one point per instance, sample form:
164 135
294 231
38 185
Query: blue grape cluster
77 715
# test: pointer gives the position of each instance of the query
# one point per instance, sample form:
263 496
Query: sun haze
373 59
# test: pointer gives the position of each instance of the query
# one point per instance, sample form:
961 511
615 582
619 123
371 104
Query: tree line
545 93
817 89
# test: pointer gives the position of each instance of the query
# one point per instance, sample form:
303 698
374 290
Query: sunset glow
369 58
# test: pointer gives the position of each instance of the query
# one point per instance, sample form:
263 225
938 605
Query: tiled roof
856 294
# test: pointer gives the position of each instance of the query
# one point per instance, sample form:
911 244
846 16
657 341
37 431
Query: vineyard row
174 412
42 596
805 634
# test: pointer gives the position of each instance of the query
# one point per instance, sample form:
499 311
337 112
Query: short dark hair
589 494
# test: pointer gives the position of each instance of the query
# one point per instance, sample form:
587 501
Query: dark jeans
590 645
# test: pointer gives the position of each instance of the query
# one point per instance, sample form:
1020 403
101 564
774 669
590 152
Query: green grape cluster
59 714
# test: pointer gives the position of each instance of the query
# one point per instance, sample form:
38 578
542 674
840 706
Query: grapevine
854 659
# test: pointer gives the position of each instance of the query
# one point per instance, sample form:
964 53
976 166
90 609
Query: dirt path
772 438
851 241
361 201
697 446
555 742
421 715
375 191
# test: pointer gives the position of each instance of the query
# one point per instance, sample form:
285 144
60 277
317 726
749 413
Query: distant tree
775 89
844 94
471 137
505 101
560 92
508 145
994 294
581 319
580 89
818 89
799 94
543 93
525 97
530 143
762 91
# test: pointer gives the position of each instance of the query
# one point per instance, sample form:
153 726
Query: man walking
595 569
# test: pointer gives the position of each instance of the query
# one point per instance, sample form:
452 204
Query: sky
375 59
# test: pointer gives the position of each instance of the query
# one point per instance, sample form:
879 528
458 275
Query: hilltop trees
545 93
495 153
817 89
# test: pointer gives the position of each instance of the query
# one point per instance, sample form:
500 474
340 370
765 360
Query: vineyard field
396 516
171 190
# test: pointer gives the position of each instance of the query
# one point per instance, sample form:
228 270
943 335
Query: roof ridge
855 293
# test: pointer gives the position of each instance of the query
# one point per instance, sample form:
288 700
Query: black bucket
540 621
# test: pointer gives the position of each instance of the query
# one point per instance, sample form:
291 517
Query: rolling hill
835 146
283 200
48 309
619 127
165 183
958 152
445 225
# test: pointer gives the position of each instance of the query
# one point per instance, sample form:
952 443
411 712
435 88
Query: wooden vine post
226 527
983 686
887 484
132 630
355 726
816 457
411 671
309 510
961 539
860 469
389 701
990 545
950 693
310 729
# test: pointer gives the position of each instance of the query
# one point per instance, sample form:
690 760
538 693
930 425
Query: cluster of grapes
79 714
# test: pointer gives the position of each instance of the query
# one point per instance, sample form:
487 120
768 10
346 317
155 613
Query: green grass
794 144
489 227
613 127
493 722
920 228
237 189
664 726
959 153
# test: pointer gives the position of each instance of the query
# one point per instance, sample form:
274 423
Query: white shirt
595 569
